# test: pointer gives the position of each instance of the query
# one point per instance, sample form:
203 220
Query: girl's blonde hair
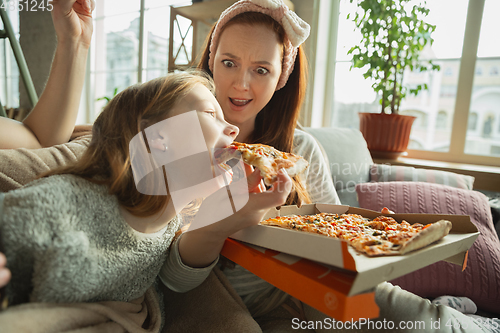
107 159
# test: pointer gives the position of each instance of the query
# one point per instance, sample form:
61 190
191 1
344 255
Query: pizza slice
265 158
382 236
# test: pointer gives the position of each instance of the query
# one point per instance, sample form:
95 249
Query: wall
305 10
38 42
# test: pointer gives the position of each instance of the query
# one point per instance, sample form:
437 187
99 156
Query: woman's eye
262 71
228 63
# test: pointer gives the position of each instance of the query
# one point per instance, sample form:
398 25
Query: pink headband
296 30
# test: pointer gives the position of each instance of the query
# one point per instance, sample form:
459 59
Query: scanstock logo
184 169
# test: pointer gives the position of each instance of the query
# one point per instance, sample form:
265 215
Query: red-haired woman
255 56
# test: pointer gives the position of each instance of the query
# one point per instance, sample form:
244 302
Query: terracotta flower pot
387 135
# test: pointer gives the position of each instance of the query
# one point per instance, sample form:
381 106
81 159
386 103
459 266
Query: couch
362 183
351 164
359 182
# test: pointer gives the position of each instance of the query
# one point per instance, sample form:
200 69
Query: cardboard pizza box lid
336 253
318 285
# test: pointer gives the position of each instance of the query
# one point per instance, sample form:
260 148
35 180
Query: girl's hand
200 247
255 181
4 272
259 202
73 20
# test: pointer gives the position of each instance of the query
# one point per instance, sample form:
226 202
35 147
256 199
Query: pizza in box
382 236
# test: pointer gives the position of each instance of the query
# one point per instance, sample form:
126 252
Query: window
181 50
421 121
448 91
450 133
472 124
419 125
485 99
488 126
124 53
441 120
448 71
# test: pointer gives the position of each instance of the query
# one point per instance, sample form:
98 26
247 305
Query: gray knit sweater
65 241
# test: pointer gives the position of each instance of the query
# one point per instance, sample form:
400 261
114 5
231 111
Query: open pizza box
335 272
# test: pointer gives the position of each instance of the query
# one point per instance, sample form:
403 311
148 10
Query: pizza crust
429 235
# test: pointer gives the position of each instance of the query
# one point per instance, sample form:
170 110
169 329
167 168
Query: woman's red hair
275 124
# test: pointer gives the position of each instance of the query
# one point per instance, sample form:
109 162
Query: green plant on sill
392 39
106 98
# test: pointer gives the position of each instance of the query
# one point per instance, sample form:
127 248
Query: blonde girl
85 233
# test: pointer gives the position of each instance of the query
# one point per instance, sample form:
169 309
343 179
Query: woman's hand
4 272
73 20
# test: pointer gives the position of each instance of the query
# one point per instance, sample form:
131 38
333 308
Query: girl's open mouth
222 155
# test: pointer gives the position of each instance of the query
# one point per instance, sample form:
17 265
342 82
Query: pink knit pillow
481 279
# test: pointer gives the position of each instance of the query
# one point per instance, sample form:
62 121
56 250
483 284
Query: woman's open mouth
239 102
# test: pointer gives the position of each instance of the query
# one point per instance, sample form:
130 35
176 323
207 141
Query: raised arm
194 254
53 118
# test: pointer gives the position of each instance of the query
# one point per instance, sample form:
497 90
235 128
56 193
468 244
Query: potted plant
393 37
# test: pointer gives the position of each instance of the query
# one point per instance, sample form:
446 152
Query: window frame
87 106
